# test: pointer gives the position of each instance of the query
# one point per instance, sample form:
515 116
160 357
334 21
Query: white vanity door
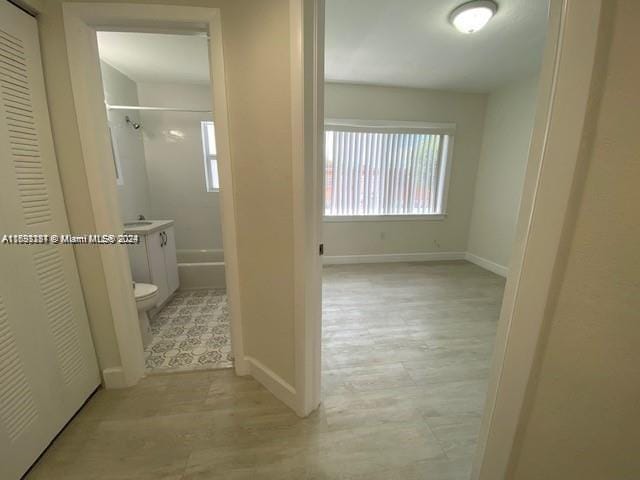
170 260
139 261
47 361
155 254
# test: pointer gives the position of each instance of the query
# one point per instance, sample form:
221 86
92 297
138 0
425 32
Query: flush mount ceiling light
472 16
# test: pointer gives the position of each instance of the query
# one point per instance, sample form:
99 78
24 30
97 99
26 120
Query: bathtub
201 269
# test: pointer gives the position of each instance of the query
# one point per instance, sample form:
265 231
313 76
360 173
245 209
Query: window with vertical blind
386 168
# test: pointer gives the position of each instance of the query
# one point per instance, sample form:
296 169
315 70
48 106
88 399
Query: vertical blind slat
337 178
378 175
349 192
397 175
373 173
404 178
361 157
402 175
341 174
356 172
411 175
434 170
366 174
397 197
337 174
425 176
347 173
418 182
427 180
390 169
344 187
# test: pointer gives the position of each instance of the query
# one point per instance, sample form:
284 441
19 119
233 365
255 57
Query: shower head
134 125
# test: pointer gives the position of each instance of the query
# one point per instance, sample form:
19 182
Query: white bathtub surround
175 163
200 255
199 269
128 145
191 332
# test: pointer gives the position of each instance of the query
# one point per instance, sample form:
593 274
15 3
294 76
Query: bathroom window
386 169
210 156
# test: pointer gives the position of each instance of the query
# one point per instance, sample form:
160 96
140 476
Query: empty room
426 145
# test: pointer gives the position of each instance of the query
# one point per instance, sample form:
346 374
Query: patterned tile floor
192 332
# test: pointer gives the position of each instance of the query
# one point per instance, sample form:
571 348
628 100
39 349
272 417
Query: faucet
141 217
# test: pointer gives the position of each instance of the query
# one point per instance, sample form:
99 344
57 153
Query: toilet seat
143 291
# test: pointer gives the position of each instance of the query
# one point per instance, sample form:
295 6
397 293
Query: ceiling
411 43
155 57
407 43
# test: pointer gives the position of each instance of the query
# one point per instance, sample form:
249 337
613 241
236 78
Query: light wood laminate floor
406 351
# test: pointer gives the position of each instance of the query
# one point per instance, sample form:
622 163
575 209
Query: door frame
563 101
307 125
81 21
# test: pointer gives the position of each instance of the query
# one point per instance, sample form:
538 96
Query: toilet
146 298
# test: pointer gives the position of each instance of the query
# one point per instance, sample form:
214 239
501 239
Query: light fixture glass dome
472 16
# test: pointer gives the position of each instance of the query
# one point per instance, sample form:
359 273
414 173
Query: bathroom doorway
158 99
195 320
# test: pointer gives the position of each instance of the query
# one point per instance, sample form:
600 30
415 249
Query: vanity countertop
145 227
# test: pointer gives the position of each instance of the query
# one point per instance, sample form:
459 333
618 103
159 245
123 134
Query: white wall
388 103
505 145
581 417
175 164
133 195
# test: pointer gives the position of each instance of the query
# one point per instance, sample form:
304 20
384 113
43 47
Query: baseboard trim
241 367
392 258
272 382
487 264
114 378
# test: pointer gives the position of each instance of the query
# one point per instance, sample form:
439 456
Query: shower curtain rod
155 109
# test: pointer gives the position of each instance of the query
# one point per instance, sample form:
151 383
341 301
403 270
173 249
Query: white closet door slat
47 360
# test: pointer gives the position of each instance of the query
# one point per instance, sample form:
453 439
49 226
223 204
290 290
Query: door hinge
321 249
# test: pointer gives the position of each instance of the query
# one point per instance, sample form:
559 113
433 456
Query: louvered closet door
47 360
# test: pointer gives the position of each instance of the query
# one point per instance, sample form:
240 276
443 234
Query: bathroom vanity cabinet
154 259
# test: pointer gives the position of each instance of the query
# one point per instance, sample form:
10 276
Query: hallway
405 358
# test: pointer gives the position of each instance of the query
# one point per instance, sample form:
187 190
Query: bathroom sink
137 224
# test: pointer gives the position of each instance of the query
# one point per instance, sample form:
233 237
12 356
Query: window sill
213 191
384 218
